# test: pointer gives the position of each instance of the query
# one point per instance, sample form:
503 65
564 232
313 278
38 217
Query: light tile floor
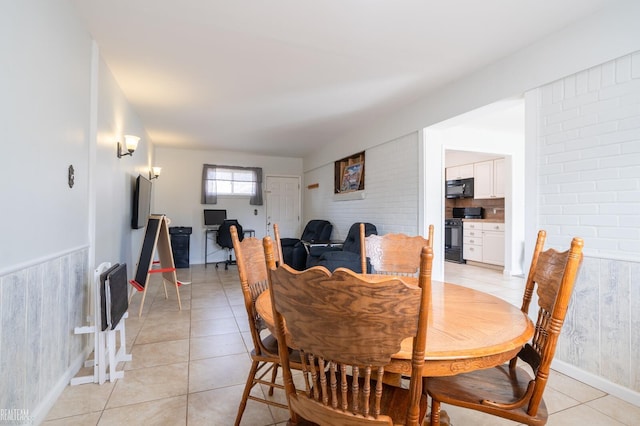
190 366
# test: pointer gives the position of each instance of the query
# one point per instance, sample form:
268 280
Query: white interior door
283 205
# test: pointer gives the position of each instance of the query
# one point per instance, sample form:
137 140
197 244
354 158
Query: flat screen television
141 202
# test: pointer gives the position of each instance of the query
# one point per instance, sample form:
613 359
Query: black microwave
459 188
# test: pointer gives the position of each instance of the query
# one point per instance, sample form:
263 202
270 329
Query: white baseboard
597 382
41 411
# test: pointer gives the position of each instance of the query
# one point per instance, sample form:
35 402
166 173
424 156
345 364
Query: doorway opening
487 145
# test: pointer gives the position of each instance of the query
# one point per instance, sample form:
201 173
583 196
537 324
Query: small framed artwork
349 174
351 177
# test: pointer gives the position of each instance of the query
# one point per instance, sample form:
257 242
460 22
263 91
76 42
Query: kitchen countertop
484 220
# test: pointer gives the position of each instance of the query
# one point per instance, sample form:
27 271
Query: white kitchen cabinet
473 228
483 242
459 172
489 179
483 179
472 241
493 243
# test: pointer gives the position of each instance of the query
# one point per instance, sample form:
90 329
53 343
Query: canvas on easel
156 237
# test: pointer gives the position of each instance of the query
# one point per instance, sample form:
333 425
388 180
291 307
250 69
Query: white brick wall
589 159
391 191
589 186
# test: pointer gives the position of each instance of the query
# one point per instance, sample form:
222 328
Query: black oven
453 232
453 240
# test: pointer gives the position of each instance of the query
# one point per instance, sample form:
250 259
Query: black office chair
223 238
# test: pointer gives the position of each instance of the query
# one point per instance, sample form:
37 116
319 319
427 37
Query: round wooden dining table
467 330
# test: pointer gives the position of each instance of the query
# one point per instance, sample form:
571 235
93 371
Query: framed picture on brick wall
351 178
349 174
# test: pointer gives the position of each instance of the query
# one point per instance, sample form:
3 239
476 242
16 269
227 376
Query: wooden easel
156 236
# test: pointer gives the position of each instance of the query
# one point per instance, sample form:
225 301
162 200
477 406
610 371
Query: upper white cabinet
459 172
489 177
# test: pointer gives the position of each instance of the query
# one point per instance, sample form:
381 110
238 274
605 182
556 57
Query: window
234 182
231 180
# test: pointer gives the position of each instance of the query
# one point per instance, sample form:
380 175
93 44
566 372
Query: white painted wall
178 191
45 108
44 82
60 106
115 177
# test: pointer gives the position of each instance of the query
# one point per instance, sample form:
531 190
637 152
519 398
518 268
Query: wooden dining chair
393 254
252 270
509 391
278 245
347 326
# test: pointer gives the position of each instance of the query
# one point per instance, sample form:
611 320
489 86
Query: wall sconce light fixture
154 173
130 143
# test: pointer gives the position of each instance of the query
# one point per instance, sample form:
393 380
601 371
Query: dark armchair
346 257
294 252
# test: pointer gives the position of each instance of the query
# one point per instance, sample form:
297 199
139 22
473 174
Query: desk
210 234
468 330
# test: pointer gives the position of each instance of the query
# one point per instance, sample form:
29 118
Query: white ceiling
282 77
